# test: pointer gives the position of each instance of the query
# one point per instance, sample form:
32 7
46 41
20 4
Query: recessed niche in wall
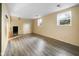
64 19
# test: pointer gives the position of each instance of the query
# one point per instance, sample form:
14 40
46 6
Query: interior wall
27 26
4 28
0 26
21 23
49 28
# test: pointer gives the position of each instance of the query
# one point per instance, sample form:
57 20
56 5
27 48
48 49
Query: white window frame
39 22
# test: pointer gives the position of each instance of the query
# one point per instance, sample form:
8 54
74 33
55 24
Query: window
39 22
64 18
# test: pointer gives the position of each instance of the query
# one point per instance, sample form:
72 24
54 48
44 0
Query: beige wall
27 26
49 28
20 22
4 28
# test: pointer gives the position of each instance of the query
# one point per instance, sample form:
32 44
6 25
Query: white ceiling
30 10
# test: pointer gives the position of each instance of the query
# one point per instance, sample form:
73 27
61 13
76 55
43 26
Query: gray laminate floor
36 45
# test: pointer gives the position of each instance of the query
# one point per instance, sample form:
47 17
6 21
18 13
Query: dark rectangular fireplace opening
15 30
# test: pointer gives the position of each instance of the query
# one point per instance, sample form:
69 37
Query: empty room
40 29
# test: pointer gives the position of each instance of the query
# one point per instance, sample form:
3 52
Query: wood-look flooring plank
36 45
